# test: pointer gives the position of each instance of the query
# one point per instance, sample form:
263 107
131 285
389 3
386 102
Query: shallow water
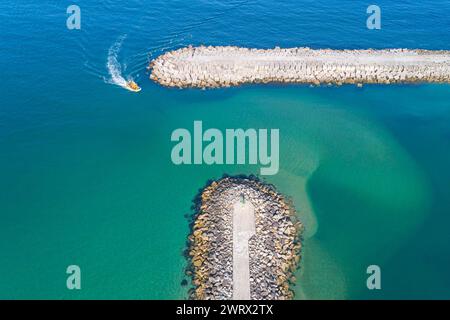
86 174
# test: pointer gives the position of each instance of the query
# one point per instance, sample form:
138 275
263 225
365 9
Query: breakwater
224 66
223 209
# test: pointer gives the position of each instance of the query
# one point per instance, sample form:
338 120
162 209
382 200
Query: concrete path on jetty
243 230
208 67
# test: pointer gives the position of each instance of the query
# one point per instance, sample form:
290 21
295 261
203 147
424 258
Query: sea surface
86 176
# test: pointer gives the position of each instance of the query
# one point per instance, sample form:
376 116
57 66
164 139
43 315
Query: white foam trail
113 65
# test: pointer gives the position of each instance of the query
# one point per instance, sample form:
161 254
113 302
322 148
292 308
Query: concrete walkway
243 229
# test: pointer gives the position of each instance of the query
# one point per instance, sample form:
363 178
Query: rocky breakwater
224 66
274 249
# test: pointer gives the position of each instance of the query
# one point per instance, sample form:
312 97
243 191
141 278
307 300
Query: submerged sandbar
224 66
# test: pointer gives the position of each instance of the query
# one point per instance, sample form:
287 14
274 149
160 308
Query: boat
132 86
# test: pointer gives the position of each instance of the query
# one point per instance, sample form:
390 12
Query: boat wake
115 68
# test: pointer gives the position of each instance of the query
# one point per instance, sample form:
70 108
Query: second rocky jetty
273 250
224 66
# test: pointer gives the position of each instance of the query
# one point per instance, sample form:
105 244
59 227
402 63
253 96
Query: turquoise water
86 176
